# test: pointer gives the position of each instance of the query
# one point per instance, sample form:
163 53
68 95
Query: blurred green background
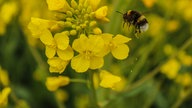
157 73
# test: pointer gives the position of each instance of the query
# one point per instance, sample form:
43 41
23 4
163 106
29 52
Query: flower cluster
178 69
75 36
5 92
6 16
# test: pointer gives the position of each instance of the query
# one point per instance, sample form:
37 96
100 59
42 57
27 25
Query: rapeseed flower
184 79
89 49
7 12
116 45
77 20
57 64
4 77
108 80
53 83
171 68
4 96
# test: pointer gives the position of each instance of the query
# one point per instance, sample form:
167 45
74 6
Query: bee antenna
119 12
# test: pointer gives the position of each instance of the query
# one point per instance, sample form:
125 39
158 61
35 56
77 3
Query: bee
136 19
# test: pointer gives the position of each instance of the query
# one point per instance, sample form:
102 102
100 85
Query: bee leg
139 30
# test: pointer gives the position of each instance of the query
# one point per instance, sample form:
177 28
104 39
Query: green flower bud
66 32
92 15
73 32
89 9
73 26
67 24
72 10
92 23
69 13
60 16
69 19
74 4
97 31
78 28
80 7
83 25
83 11
86 16
77 12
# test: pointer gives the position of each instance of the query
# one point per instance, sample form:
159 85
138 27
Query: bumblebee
135 19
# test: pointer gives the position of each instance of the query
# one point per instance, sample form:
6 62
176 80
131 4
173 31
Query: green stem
181 99
143 80
37 57
93 96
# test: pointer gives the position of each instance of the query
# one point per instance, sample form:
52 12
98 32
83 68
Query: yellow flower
58 44
58 5
4 96
101 14
119 86
116 45
184 58
169 50
7 12
93 3
172 25
108 80
88 57
149 3
97 31
184 79
53 83
57 64
37 26
4 77
171 68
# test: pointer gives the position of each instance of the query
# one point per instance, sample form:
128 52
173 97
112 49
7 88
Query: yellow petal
121 52
107 37
47 38
101 13
4 96
80 64
96 43
108 80
6 16
80 44
37 25
66 54
59 5
53 83
57 64
96 62
171 68
120 39
94 3
35 28
4 77
62 40
50 51
149 3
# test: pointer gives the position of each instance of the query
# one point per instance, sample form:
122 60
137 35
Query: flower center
112 45
87 54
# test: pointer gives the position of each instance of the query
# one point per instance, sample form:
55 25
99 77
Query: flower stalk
93 95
